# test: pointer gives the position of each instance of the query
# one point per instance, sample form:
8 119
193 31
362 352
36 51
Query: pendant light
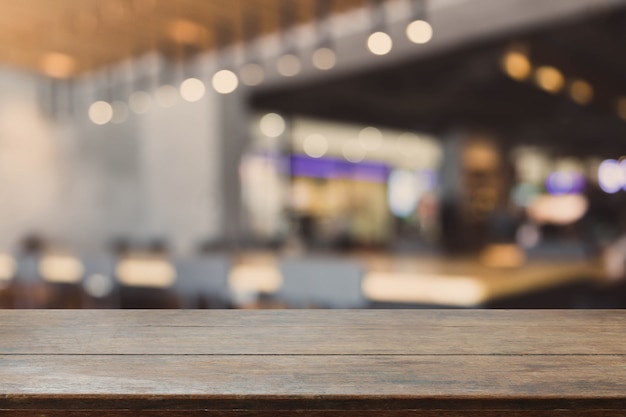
378 42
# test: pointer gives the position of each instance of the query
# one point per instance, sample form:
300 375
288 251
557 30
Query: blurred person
30 291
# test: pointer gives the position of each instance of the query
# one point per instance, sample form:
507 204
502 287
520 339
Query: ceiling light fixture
224 81
419 30
289 63
58 65
101 111
378 42
324 56
549 79
581 91
252 73
516 65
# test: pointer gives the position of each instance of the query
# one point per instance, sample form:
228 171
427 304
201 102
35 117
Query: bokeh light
8 267
581 91
98 285
272 125
565 182
61 268
611 176
192 89
549 79
419 31
225 81
315 145
288 65
403 192
100 112
140 102
353 151
324 58
558 209
58 65
516 65
370 138
252 74
379 43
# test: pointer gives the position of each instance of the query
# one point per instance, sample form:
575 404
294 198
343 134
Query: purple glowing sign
304 166
565 182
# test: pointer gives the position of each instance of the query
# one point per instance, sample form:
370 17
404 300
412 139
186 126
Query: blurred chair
62 274
202 280
8 269
321 282
146 281
29 287
100 289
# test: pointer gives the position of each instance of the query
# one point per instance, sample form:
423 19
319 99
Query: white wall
30 163
180 150
82 185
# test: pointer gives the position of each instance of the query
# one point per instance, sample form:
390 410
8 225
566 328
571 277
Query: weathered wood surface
314 363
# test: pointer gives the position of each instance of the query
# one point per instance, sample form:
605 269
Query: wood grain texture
218 332
313 363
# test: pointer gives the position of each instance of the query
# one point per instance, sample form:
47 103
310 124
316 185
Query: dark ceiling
466 88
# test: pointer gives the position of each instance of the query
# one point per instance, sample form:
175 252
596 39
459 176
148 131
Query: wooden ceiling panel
93 33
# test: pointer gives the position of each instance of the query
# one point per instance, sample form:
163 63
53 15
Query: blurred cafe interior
312 154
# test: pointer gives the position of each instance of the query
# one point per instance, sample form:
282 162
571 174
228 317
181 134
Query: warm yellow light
315 145
621 107
288 65
185 31
503 256
353 151
558 209
370 138
7 267
192 89
324 58
272 125
581 91
379 43
225 81
465 291
146 272
549 79
419 31
100 112
252 74
61 269
58 65
516 65
255 278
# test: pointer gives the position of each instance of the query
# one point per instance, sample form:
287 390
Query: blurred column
235 137
451 174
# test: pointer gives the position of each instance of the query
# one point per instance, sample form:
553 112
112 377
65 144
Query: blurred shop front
341 186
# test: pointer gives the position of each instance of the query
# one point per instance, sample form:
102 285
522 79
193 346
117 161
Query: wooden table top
329 362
